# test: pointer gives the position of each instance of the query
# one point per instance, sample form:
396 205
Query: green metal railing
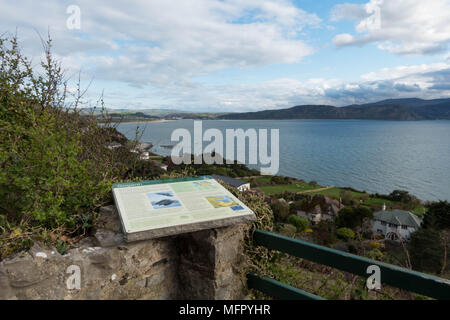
417 282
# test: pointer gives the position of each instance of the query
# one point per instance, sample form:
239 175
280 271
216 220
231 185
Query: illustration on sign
224 201
163 200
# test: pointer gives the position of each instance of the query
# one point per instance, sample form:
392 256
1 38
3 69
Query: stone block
205 264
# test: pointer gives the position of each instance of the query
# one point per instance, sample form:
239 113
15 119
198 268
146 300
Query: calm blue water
376 156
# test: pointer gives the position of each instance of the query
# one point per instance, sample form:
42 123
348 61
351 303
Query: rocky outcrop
201 265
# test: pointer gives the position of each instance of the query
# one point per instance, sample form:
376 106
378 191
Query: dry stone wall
201 265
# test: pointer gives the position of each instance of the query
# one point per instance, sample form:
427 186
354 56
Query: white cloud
161 47
162 42
422 81
349 11
398 26
404 71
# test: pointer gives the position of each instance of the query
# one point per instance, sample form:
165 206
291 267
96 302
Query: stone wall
201 265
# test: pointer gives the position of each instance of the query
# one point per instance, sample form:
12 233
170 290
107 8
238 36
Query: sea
372 156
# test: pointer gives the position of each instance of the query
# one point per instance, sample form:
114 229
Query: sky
241 55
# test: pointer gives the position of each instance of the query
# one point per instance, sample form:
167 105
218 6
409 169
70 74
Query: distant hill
392 109
146 112
411 102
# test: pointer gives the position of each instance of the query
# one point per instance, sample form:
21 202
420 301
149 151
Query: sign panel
157 208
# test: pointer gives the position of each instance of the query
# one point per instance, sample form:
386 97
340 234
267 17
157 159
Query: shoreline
373 186
352 189
144 121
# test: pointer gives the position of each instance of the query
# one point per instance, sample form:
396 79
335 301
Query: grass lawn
419 210
157 158
333 193
261 178
372 202
294 187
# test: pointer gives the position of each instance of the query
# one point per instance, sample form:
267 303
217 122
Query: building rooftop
231 181
399 217
158 164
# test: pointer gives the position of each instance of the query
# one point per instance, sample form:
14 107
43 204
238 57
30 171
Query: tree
353 217
280 210
364 213
347 197
437 216
345 218
403 196
324 233
426 250
445 240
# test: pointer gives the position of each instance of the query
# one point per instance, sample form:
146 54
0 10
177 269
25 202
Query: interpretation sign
158 208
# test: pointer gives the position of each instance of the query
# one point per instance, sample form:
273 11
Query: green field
295 187
265 179
336 193
157 158
333 192
372 202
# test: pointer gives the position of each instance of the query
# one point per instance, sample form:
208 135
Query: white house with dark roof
159 164
241 185
395 224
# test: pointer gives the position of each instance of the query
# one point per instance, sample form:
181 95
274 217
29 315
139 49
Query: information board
158 208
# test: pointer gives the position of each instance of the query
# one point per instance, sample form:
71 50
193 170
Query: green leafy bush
345 233
300 223
56 168
280 210
44 176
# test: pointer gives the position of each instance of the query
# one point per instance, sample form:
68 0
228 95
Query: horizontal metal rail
417 282
278 289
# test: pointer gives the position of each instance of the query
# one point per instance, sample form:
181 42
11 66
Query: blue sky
240 55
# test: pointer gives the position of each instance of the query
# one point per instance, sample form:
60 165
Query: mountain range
391 109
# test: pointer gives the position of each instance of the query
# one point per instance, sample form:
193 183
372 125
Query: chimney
384 206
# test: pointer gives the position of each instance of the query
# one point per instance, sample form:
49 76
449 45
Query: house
302 214
318 214
113 145
241 185
320 208
396 224
145 155
144 146
159 164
